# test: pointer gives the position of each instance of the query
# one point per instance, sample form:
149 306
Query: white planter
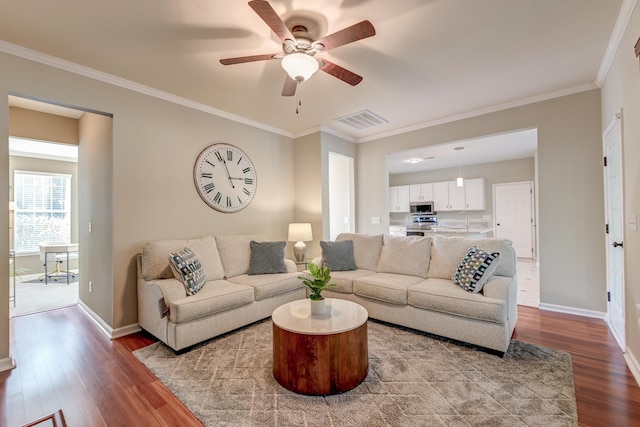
318 307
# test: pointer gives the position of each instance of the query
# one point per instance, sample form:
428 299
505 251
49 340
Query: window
43 209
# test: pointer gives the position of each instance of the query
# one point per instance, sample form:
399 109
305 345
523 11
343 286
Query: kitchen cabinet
474 194
421 192
399 198
447 196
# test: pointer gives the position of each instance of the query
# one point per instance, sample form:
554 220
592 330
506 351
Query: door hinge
607 229
605 160
608 296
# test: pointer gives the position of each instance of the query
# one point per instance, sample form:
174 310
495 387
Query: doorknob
616 244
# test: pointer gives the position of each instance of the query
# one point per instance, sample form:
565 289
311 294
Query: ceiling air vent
362 120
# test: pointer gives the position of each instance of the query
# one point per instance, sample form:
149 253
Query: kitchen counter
462 231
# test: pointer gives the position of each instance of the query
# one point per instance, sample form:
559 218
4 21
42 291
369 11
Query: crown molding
626 10
52 61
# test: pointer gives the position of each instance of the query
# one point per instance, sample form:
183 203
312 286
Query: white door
513 209
614 218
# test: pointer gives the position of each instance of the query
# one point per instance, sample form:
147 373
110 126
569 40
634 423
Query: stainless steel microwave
423 208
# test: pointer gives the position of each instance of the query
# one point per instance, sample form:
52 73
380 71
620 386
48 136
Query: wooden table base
320 364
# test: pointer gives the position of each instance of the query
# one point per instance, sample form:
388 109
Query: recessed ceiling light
414 160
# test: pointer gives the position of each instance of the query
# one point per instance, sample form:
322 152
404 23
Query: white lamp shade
300 232
299 66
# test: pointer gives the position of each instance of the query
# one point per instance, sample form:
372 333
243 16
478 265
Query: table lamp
300 232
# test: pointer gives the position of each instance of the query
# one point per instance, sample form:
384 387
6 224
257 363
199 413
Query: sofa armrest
498 287
291 266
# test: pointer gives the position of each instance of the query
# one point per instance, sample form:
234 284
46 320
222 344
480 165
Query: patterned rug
414 380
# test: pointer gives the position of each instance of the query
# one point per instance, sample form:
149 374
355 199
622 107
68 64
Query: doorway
341 195
614 217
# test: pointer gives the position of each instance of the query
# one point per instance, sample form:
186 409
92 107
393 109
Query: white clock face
225 177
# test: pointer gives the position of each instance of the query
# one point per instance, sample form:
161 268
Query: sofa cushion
235 253
475 269
405 255
187 269
267 285
444 296
267 258
446 253
366 249
387 287
338 256
344 279
155 257
214 297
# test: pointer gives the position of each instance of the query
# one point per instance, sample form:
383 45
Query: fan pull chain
298 101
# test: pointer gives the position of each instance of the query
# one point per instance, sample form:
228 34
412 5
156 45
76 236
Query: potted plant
317 281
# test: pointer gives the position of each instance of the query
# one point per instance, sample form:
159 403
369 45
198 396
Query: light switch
375 220
89 228
633 222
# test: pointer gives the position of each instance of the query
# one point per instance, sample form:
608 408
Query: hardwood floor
65 362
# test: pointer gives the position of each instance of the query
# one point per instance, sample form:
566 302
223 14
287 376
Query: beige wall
308 189
42 126
621 91
570 185
155 144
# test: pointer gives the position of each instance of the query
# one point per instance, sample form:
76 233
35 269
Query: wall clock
225 177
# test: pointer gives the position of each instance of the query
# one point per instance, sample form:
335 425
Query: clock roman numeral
239 160
248 181
220 159
228 201
209 188
217 198
230 155
210 163
206 175
245 191
247 169
239 200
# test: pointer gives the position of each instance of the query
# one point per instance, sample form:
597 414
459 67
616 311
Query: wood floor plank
63 360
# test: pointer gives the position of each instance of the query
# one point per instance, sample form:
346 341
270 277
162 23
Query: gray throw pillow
338 256
267 258
475 269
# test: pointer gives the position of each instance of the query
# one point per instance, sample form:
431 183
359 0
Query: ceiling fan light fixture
299 66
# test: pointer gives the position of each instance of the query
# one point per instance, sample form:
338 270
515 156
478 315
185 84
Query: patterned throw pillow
476 267
186 267
338 256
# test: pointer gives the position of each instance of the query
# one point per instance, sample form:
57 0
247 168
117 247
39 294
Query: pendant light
459 179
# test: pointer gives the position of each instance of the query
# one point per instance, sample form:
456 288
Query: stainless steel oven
419 224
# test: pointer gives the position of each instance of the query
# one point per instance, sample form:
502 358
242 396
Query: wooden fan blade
253 58
290 86
271 18
350 34
339 72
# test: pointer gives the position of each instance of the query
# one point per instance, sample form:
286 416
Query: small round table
320 354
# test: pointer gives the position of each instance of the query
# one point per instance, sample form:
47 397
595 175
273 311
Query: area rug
33 296
414 380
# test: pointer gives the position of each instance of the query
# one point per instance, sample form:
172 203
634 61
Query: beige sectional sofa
408 281
230 298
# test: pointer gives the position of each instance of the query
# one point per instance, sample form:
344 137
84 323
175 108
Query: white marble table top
342 316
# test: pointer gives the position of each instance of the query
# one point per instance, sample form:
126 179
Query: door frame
611 127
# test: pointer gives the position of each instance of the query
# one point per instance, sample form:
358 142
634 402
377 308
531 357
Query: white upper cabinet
475 194
441 196
399 198
421 192
456 196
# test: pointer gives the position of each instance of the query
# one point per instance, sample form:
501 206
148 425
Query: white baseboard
573 310
104 327
632 363
7 364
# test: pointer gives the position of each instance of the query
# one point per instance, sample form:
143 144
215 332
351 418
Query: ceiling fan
299 49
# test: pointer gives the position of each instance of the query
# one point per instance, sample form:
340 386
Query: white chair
58 253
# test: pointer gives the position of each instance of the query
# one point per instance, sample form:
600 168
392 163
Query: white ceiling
430 60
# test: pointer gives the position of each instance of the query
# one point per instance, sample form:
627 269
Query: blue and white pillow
475 269
186 267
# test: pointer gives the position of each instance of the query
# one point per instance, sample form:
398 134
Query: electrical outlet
90 286
89 228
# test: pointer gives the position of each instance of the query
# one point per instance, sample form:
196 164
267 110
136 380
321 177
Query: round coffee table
320 354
